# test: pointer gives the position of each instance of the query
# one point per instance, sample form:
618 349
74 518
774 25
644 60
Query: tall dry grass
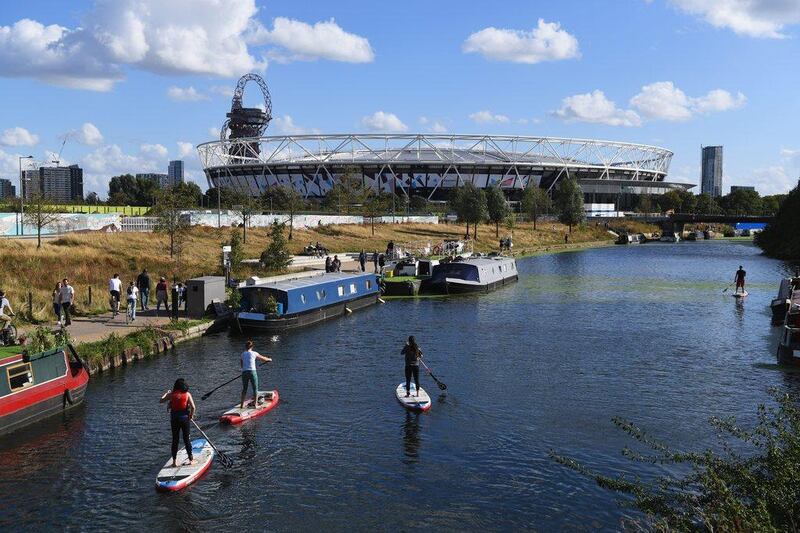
90 259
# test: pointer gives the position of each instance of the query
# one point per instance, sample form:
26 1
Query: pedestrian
249 372
739 279
57 302
336 265
362 260
66 299
181 411
114 290
181 294
390 249
328 263
375 260
566 238
381 263
412 355
161 294
143 284
132 293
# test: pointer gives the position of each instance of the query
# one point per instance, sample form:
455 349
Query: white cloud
187 94
184 148
433 126
180 36
595 108
213 132
299 41
386 122
222 90
546 42
663 100
88 134
18 136
486 117
771 180
753 18
286 126
154 150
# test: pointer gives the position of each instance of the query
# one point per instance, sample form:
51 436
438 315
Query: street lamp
22 194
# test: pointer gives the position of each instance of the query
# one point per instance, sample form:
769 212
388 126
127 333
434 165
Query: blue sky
134 83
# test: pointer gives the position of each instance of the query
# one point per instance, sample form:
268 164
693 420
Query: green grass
9 351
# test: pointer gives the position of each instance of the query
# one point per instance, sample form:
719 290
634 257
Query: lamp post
22 194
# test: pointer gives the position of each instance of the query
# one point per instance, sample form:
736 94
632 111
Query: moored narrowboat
289 304
780 304
40 385
479 274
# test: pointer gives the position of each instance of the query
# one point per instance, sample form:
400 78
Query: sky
131 84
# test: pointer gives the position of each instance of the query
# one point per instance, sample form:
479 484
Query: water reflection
411 438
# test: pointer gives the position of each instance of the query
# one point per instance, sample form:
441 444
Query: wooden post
90 295
30 306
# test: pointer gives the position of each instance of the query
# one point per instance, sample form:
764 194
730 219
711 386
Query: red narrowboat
33 387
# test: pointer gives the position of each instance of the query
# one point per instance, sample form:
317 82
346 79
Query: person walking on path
131 300
249 373
381 263
375 260
336 265
181 411
57 302
412 355
114 290
328 264
143 284
161 294
66 299
739 279
362 260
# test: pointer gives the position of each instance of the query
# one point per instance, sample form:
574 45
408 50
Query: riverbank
88 260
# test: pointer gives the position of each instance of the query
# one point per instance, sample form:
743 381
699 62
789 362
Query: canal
641 332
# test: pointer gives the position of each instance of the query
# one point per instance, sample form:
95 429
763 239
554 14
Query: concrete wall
300 221
10 223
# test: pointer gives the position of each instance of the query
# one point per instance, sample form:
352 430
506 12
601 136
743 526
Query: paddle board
739 294
413 402
172 478
266 401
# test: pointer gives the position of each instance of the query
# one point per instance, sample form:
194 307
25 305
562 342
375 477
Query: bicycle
129 311
8 335
113 301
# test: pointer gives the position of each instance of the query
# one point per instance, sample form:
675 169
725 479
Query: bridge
676 221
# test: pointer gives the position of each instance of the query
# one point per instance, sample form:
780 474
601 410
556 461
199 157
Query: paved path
98 327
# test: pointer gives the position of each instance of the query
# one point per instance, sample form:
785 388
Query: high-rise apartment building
175 172
711 180
162 180
58 184
7 189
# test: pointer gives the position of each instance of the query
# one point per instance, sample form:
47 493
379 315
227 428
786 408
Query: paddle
728 287
441 385
226 461
212 391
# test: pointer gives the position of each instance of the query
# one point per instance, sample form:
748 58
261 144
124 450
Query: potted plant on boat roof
271 306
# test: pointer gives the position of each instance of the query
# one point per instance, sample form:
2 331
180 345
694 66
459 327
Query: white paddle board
172 478
414 401
266 401
739 294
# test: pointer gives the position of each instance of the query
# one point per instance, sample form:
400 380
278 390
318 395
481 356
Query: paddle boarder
412 354
181 411
249 373
739 279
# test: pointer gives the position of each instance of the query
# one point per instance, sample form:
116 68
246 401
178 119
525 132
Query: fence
141 224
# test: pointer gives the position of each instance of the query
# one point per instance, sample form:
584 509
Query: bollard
30 306
90 295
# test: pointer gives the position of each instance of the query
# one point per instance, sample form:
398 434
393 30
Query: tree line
738 202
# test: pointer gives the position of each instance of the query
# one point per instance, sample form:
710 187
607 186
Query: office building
711 180
742 188
58 184
7 189
162 180
175 172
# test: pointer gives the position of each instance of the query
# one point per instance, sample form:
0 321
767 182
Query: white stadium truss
406 163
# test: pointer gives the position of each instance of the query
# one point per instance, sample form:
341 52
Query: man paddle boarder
739 279
249 373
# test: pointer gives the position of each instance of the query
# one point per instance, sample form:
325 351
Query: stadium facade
430 165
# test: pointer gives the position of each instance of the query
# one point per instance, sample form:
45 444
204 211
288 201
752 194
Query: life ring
68 399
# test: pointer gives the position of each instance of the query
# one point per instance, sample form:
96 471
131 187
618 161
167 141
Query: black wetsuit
412 366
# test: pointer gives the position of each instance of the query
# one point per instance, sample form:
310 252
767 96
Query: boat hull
455 287
299 320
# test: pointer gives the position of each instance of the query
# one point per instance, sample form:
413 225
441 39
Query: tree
347 192
535 203
276 257
170 219
497 207
772 203
245 206
374 205
569 202
93 199
742 202
469 203
226 197
128 190
39 213
418 204
285 198
781 238
706 205
455 203
189 190
645 204
671 201
237 250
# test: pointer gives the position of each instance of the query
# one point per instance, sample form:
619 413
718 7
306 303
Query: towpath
97 327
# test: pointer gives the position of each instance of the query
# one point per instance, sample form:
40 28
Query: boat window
341 290
369 284
352 288
319 295
20 376
303 298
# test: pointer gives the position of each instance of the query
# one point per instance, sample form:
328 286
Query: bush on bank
113 345
781 238
752 485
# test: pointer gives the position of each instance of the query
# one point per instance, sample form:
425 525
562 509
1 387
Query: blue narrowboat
278 306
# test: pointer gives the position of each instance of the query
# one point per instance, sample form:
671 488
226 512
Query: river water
641 332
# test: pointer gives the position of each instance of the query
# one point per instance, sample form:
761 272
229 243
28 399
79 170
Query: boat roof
311 281
483 261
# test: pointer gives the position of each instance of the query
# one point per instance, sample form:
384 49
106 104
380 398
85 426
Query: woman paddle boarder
249 374
413 354
182 409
